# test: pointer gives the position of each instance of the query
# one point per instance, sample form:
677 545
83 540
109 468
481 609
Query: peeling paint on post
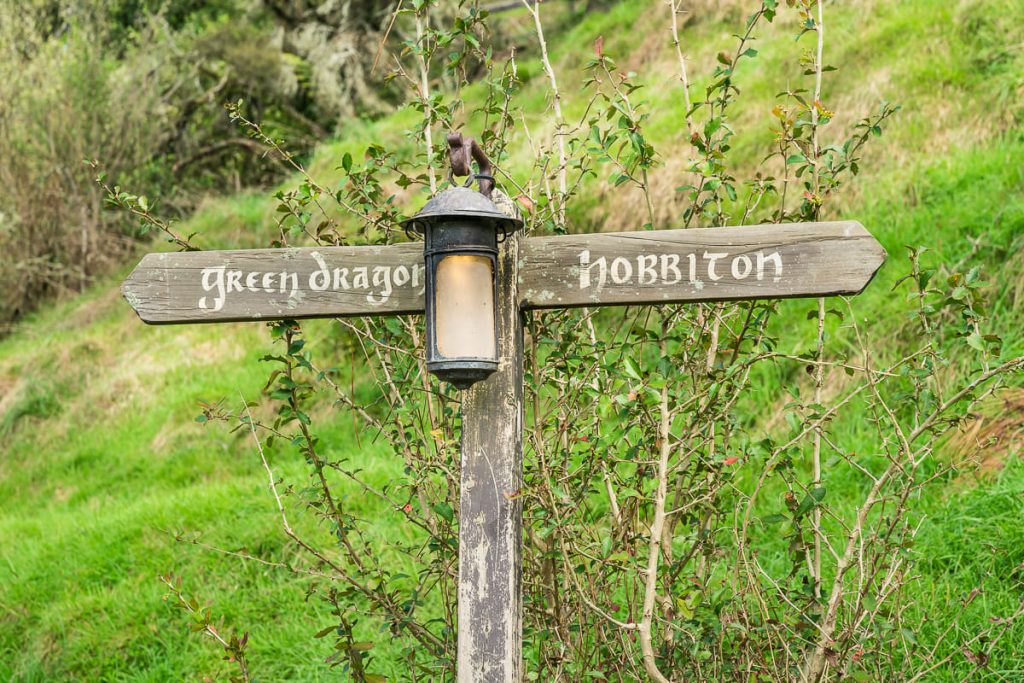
490 612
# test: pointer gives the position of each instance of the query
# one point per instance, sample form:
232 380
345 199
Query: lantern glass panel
465 307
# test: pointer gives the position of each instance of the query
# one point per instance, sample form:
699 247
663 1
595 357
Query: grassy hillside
102 463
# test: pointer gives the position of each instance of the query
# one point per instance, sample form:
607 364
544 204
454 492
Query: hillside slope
102 462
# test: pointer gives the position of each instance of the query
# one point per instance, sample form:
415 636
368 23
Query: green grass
971 533
101 461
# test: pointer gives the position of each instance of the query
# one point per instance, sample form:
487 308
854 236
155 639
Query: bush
142 90
62 103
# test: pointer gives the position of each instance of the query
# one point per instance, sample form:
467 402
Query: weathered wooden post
462 224
490 514
626 268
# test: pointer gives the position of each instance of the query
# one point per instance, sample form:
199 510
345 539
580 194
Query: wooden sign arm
274 284
773 261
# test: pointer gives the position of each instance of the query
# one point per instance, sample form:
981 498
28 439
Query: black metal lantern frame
461 231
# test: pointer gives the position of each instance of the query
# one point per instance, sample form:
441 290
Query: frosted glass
464 307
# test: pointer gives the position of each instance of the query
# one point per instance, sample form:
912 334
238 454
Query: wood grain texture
490 611
271 284
713 264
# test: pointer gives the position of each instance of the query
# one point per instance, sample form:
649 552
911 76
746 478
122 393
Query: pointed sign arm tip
129 293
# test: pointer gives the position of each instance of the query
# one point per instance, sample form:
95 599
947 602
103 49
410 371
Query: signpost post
623 268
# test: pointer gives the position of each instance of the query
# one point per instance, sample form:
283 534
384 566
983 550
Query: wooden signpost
623 268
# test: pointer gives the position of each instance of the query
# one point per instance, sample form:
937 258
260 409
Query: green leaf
445 510
810 501
712 126
631 367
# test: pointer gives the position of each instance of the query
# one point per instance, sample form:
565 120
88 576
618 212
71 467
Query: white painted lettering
289 279
712 257
775 258
340 278
382 282
418 270
621 270
401 276
319 279
586 266
646 268
213 280
741 266
670 262
360 278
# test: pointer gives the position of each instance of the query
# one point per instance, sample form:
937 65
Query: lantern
461 230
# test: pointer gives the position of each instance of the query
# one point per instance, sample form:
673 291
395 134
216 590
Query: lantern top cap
461 202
